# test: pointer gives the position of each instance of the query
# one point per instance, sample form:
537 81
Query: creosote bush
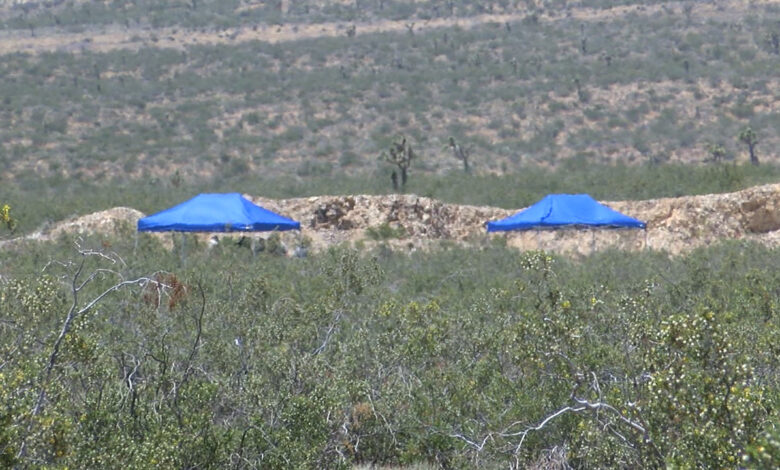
455 358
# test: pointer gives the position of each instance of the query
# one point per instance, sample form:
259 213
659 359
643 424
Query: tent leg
183 250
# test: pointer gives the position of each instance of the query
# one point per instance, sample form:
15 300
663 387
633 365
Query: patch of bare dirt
675 225
109 222
115 37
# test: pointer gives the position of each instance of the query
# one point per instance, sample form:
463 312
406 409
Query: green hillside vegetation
628 86
231 13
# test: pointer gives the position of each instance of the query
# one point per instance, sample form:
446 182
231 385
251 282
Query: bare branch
57 262
606 406
141 281
541 425
387 424
73 313
583 405
328 334
199 326
477 447
95 274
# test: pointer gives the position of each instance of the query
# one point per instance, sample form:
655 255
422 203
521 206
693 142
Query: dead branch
328 334
75 311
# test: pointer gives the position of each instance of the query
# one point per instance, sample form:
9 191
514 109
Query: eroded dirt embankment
410 222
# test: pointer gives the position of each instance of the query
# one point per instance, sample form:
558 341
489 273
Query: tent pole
538 242
183 250
592 241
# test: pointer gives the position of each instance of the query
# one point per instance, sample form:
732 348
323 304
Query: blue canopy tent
216 213
562 211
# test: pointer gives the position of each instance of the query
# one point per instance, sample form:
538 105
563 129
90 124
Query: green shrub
452 357
385 232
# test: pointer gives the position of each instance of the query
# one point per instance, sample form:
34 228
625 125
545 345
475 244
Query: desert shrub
765 453
385 232
458 358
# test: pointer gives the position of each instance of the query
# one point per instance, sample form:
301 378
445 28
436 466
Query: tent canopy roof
229 212
565 210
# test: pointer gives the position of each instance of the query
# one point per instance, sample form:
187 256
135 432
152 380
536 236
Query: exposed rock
762 214
675 225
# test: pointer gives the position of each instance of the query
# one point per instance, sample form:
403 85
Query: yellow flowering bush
5 217
701 399
764 454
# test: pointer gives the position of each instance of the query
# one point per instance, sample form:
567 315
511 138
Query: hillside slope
115 36
409 222
94 91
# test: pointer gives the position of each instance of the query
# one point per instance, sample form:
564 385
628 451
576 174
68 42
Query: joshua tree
461 154
717 151
774 41
401 155
749 137
176 179
582 95
688 10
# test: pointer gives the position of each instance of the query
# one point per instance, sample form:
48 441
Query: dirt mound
109 222
397 220
409 222
684 223
406 221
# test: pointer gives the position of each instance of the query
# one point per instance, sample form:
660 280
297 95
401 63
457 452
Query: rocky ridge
409 222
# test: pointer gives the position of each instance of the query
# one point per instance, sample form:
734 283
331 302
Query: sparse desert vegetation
640 84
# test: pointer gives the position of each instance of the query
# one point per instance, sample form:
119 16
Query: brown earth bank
409 222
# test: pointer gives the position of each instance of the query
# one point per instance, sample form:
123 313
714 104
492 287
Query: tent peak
565 210
216 212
